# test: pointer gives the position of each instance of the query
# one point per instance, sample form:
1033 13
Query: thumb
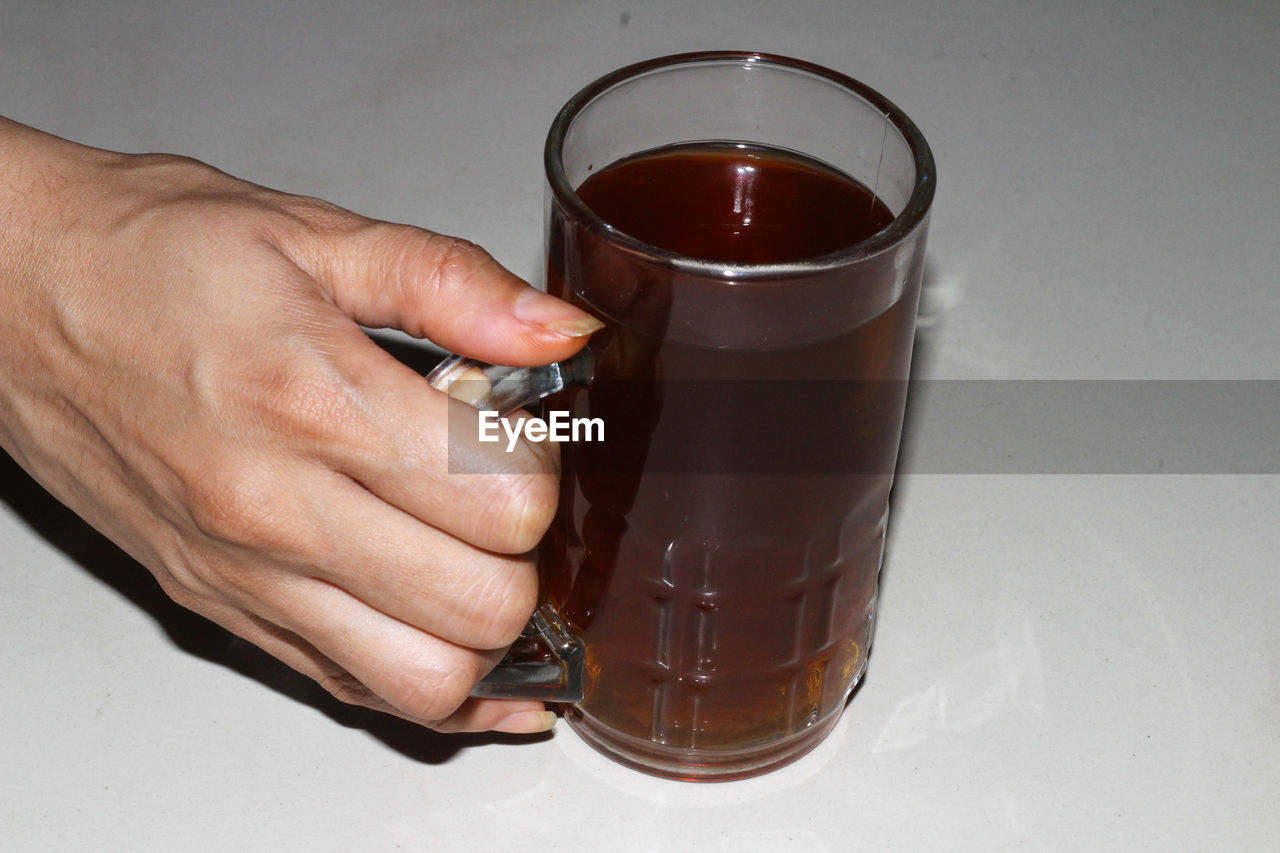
447 290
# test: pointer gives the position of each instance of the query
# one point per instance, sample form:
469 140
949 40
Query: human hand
180 363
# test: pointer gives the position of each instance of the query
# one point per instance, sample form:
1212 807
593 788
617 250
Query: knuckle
455 258
500 604
431 693
228 506
302 403
195 584
433 263
422 270
516 511
242 505
320 408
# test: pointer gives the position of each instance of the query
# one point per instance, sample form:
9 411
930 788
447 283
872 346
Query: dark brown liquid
725 593
735 204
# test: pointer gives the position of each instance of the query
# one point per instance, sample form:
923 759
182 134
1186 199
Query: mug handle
546 661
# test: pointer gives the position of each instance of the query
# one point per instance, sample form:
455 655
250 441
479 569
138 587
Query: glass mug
709 581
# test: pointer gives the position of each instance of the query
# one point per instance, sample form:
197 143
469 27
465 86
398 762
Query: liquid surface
734 203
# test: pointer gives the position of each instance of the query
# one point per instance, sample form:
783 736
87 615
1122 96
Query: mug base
697 765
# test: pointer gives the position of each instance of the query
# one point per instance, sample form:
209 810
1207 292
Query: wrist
44 181
40 173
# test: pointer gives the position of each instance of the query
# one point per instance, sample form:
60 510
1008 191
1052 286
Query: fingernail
576 328
527 723
534 306
471 387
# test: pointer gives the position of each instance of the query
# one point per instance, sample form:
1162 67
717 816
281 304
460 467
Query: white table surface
1079 661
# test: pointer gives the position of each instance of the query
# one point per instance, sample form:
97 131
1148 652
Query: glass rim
913 213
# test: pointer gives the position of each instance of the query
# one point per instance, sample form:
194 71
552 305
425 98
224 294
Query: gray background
1069 662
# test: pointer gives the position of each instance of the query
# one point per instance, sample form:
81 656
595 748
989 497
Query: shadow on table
196 635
